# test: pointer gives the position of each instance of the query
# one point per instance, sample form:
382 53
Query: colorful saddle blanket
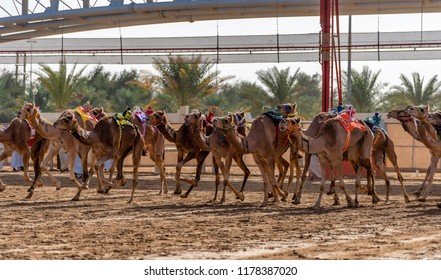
84 115
121 120
349 124
274 116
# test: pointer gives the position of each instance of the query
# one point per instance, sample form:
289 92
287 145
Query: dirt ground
51 226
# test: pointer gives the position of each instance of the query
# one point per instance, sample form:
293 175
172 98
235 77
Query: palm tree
415 92
62 86
187 81
12 95
366 89
280 84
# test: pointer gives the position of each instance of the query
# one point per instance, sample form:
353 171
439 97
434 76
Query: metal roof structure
37 18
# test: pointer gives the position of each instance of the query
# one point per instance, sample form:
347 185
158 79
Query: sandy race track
51 226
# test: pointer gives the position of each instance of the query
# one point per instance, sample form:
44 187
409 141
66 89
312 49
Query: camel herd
333 138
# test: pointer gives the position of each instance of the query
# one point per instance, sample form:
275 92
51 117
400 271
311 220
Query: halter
239 122
224 128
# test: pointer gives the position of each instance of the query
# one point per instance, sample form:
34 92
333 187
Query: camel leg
298 190
285 166
53 151
3 155
71 157
194 182
179 165
322 188
226 174
25 157
83 151
424 184
158 160
425 192
338 164
217 164
294 162
266 182
392 156
357 184
136 158
246 172
220 165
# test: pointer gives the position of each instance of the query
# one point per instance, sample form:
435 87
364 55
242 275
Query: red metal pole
325 16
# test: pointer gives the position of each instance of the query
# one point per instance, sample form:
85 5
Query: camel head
223 123
292 125
98 113
323 117
158 117
66 121
408 122
28 111
287 109
434 118
194 118
419 112
399 114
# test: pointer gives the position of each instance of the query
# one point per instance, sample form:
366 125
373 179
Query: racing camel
330 144
111 138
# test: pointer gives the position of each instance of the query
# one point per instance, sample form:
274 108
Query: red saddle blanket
349 124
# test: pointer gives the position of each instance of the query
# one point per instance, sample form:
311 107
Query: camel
18 136
311 131
267 144
154 143
383 147
329 145
188 149
108 140
221 148
426 134
58 138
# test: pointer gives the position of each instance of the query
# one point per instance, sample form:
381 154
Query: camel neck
168 132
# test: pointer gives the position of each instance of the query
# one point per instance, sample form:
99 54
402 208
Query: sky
390 70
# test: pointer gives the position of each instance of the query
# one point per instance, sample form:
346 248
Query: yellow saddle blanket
84 116
349 124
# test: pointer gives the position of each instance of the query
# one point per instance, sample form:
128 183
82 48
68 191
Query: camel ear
294 106
297 119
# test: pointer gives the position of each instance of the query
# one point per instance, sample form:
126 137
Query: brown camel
383 147
428 135
311 131
329 145
221 148
18 136
109 140
58 138
154 143
267 144
188 148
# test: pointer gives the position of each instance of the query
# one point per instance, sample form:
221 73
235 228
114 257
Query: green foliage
281 86
309 95
61 85
415 92
187 81
12 95
366 89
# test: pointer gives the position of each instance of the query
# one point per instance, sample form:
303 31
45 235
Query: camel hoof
336 203
331 192
58 185
439 205
375 199
177 192
417 193
27 179
407 200
2 188
76 198
130 201
29 196
263 205
241 197
106 191
84 187
422 199
183 195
